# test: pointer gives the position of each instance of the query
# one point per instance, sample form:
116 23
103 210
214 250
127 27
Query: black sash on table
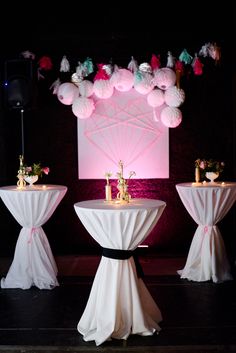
124 255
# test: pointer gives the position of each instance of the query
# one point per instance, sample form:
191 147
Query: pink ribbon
30 235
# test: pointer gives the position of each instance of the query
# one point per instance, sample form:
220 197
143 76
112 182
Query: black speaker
18 83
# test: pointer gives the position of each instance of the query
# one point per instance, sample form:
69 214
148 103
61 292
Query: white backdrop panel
123 127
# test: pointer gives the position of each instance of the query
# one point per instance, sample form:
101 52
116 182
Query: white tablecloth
207 204
119 303
33 262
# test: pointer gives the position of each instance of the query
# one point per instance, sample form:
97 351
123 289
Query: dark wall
50 128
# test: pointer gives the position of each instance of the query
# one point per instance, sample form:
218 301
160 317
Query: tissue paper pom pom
171 117
164 78
86 88
145 67
103 88
122 80
155 98
83 107
67 92
174 96
145 85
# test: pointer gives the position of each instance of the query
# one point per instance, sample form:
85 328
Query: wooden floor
197 317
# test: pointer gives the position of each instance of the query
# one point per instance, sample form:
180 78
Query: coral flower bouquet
36 169
33 172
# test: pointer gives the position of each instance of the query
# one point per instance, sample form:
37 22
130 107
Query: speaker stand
22 133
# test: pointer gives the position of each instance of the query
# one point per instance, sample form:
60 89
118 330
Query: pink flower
28 169
202 165
46 170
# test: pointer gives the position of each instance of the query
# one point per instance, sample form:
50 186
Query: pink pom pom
164 78
144 86
83 107
122 80
86 88
67 92
103 89
155 98
171 117
174 96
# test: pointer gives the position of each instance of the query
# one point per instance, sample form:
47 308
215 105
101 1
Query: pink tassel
179 68
155 62
101 74
197 67
45 63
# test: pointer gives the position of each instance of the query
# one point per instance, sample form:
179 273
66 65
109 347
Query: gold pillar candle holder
21 174
197 175
108 194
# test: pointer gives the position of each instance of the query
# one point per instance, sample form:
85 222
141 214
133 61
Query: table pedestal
119 303
207 259
33 262
207 204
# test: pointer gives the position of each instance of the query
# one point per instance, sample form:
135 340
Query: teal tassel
138 76
185 57
88 66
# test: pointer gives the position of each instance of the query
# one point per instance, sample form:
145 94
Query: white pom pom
171 117
67 92
122 80
164 78
145 67
145 85
86 88
83 107
155 98
174 96
103 88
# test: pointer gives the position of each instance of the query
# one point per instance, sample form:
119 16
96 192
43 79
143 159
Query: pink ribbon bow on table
32 230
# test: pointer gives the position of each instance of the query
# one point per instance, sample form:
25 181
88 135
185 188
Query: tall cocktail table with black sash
119 303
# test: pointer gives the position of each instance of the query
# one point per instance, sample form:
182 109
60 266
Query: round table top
136 203
203 185
37 187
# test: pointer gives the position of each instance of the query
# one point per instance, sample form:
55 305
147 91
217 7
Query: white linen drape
33 262
119 303
207 205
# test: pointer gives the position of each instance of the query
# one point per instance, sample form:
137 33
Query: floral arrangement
36 169
122 184
210 165
107 176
